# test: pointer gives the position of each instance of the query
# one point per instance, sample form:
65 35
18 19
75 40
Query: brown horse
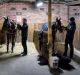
9 30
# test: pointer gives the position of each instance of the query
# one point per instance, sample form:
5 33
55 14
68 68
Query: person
24 34
40 34
45 27
70 36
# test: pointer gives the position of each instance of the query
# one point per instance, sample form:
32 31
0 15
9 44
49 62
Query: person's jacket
71 29
45 27
24 30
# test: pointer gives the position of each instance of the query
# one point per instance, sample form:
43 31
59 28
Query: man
24 34
44 28
70 36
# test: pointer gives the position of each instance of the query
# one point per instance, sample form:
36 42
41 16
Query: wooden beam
49 30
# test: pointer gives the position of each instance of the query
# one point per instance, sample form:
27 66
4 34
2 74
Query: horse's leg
8 42
13 42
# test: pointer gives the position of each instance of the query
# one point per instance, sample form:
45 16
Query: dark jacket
24 30
70 30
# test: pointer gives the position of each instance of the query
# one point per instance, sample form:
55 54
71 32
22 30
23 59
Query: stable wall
37 16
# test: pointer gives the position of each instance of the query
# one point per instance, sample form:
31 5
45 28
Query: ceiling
29 0
3 1
67 1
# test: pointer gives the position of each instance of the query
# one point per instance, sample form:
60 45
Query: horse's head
6 19
6 23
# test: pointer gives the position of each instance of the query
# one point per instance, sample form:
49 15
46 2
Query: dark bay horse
9 31
57 26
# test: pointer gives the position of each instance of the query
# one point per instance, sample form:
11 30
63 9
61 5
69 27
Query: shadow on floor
55 71
62 65
42 61
59 71
1 53
68 67
2 58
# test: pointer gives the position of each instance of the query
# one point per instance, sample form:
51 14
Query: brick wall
36 16
39 15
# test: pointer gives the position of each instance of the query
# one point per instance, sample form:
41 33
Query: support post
49 30
68 12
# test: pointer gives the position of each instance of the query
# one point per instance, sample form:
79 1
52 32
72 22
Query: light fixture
39 3
18 18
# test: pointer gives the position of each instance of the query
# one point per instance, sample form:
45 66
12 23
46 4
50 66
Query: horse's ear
4 18
60 18
7 18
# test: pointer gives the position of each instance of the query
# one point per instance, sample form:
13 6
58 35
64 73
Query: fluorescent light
40 3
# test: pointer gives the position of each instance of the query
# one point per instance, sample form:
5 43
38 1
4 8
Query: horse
57 26
10 31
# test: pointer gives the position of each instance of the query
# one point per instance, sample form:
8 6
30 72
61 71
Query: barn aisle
13 64
18 49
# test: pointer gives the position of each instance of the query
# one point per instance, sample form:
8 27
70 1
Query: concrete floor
14 64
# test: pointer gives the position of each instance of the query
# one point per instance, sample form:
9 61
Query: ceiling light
39 3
